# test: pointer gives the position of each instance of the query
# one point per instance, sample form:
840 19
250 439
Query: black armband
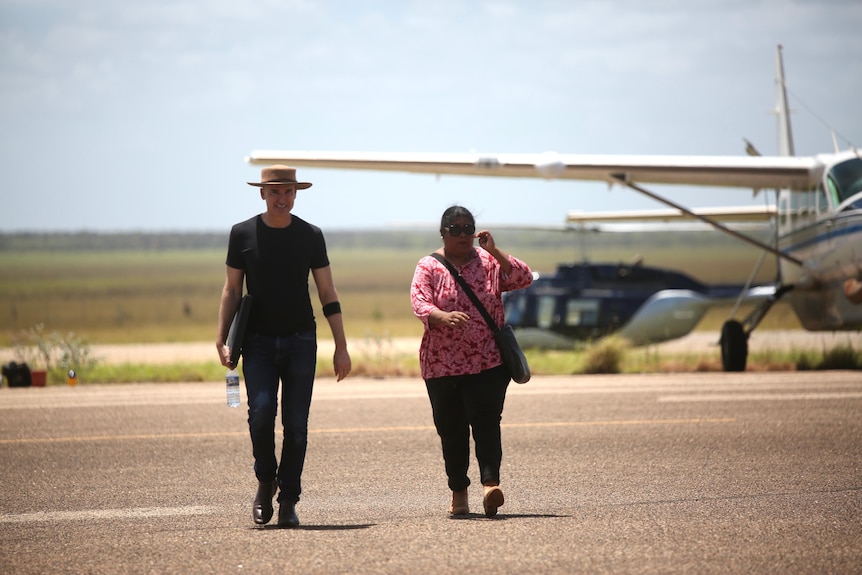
331 308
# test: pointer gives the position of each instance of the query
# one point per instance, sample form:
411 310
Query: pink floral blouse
466 349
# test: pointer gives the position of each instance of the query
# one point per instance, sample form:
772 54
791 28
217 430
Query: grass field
149 295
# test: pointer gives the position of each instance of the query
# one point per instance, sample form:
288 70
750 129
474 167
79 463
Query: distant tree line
94 241
360 239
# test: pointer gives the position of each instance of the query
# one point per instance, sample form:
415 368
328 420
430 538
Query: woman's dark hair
452 213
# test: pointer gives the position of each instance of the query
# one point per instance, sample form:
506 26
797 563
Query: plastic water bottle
232 381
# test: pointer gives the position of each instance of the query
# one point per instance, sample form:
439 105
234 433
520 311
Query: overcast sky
136 115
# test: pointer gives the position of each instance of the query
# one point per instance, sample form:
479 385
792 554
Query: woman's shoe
492 500
460 503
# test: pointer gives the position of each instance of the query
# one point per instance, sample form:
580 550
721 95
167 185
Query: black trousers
464 402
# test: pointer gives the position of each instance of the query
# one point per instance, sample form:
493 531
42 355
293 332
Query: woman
459 358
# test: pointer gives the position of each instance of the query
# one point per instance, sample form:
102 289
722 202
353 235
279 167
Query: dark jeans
460 403
266 360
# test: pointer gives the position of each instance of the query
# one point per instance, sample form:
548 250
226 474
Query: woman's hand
453 318
486 241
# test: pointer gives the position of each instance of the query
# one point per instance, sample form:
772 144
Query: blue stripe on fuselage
831 233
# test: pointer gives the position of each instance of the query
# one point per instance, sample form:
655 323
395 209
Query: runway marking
546 424
88 514
625 422
760 396
30 440
122 437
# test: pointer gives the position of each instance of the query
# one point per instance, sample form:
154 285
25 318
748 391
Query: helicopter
582 302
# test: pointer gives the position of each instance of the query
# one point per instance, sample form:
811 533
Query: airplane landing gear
734 334
734 346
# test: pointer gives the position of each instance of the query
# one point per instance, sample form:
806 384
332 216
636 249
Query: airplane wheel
734 346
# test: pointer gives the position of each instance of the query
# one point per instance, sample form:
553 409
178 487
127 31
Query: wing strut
621 178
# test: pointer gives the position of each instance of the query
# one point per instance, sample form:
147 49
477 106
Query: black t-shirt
276 262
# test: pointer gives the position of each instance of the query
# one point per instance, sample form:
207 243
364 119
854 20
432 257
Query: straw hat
279 175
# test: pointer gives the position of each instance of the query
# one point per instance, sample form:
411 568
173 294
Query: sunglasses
457 229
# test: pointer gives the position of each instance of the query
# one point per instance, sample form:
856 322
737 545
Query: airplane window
805 204
822 202
795 203
847 178
833 190
783 211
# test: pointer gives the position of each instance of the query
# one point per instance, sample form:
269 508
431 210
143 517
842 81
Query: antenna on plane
785 136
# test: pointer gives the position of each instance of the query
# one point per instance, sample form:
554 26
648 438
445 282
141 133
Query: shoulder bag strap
469 291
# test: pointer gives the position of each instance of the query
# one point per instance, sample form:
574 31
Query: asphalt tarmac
683 473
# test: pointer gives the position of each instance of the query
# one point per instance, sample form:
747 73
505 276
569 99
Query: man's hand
341 363
224 354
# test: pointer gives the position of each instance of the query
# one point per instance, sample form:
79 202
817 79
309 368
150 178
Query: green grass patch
162 373
603 358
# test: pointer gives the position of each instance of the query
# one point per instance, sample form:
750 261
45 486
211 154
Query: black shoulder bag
510 350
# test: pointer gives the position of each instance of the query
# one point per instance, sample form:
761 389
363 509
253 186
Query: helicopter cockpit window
582 312
513 307
545 311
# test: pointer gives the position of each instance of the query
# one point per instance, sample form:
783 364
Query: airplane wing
757 172
723 214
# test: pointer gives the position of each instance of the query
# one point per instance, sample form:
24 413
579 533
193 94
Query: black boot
262 508
287 515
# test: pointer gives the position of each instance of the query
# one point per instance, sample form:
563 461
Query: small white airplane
818 215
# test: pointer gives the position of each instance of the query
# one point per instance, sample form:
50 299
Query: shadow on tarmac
468 517
501 516
302 527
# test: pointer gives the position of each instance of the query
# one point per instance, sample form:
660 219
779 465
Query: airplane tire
734 346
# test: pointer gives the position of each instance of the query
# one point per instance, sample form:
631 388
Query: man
273 253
